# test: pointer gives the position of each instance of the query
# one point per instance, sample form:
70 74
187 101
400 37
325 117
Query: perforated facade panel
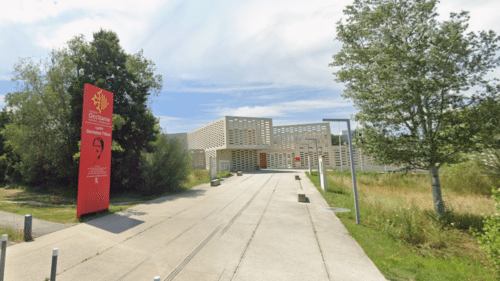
361 161
287 145
248 133
244 140
243 159
209 153
210 136
198 158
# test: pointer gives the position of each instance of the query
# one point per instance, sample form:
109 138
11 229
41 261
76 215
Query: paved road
251 227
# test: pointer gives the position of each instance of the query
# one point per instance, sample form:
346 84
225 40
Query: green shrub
489 234
490 239
405 226
165 168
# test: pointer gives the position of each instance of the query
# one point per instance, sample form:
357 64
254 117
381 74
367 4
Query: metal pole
340 150
54 265
317 153
28 225
360 159
2 258
353 171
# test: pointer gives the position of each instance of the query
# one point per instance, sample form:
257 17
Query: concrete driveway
250 227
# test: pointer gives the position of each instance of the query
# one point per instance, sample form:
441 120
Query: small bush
404 225
490 239
166 168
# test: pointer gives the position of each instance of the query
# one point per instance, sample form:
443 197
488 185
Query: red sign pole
95 151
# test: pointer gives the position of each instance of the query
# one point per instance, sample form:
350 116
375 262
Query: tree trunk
436 191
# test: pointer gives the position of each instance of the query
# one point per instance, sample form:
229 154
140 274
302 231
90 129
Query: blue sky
243 58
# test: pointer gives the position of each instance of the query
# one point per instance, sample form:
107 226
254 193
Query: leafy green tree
6 160
4 120
131 79
38 130
411 77
166 167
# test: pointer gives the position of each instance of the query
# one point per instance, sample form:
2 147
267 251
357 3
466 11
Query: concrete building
250 142
289 149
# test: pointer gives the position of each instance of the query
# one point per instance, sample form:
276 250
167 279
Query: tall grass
466 178
400 206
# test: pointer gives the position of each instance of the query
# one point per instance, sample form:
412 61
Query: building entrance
263 161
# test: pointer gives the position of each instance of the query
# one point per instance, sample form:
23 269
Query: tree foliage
7 157
38 129
336 141
411 78
131 78
166 167
45 111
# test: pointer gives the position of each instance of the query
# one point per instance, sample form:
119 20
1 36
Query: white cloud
170 123
253 111
222 42
32 11
2 100
283 108
221 90
168 118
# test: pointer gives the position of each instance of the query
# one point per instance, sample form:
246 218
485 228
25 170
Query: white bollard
2 258
54 265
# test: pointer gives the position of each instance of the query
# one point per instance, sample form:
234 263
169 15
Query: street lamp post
317 153
353 171
308 158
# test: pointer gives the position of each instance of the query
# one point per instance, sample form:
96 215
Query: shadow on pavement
115 223
190 193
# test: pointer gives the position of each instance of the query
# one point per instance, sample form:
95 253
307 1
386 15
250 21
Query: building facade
250 143
290 146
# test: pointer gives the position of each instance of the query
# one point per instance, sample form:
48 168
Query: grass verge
399 231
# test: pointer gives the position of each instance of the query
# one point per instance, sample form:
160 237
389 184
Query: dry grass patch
399 208
417 192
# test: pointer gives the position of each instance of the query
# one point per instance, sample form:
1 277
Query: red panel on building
95 151
297 159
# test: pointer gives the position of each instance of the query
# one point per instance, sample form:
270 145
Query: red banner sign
95 151
297 159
